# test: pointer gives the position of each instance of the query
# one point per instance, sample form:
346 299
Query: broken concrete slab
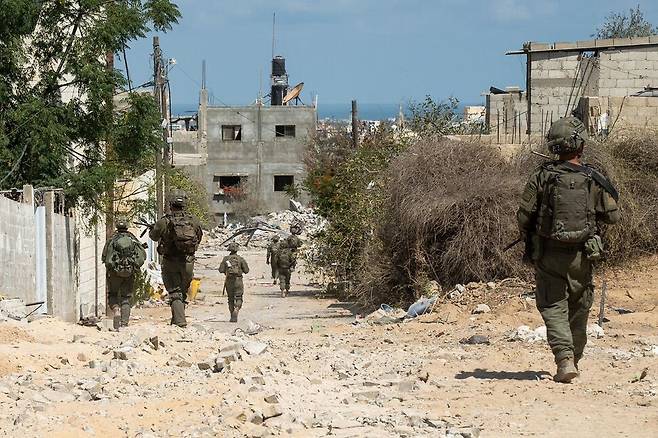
254 348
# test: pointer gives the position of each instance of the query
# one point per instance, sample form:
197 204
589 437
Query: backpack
284 258
233 266
123 256
182 234
566 213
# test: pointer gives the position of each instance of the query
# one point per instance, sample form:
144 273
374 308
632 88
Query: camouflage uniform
286 262
272 251
121 287
177 267
563 272
234 267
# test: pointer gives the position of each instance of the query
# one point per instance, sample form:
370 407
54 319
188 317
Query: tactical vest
567 211
233 266
284 258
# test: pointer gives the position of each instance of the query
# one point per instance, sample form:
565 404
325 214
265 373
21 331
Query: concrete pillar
28 195
49 203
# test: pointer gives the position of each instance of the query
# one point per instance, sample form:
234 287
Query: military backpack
124 258
285 258
182 234
566 213
233 266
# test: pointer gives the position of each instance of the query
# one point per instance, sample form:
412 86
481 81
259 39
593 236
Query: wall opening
231 132
285 130
282 182
229 187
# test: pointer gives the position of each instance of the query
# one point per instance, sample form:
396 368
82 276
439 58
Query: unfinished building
609 84
248 154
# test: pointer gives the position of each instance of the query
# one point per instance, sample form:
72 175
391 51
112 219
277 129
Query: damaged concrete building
250 153
610 83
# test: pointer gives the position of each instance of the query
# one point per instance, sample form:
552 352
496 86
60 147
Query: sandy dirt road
324 373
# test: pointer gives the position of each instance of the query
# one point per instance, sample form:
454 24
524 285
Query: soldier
562 207
234 267
286 262
123 255
272 251
178 235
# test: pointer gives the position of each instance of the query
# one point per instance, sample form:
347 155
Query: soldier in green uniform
286 262
234 267
123 256
272 252
178 235
562 207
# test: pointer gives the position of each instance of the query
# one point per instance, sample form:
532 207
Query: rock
254 348
481 308
406 385
366 395
468 432
154 342
220 364
57 396
526 334
95 364
229 356
78 338
255 418
271 411
123 353
595 331
491 285
256 380
184 364
475 340
273 398
13 308
206 365
82 357
232 347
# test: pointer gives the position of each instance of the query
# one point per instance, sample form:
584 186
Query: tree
620 25
56 95
437 118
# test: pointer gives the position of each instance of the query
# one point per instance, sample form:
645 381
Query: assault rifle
147 226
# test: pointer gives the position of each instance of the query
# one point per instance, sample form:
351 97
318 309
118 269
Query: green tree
621 25
56 95
437 118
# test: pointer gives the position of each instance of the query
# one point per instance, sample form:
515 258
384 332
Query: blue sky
376 51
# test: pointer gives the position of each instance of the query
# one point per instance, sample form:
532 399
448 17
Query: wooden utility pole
355 125
158 82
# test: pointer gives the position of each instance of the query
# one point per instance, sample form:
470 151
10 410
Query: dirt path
324 374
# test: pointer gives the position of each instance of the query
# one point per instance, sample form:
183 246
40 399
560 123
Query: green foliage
345 187
197 197
57 114
431 118
631 25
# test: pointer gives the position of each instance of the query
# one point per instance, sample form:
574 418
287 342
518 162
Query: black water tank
278 66
278 93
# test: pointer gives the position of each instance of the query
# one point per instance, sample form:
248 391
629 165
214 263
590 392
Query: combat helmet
276 238
121 223
233 247
566 136
178 199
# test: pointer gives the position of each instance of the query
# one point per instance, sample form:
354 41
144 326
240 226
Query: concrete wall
506 116
624 113
17 250
625 72
69 277
259 155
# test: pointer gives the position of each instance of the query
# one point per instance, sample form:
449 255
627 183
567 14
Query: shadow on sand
480 373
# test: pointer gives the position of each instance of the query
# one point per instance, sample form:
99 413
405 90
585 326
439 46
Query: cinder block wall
504 113
625 72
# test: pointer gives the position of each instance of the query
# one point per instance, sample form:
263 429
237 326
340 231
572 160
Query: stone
232 347
366 395
57 396
272 398
184 364
255 380
255 418
78 338
466 432
123 353
406 385
229 356
254 348
595 331
271 411
475 340
13 308
154 342
526 334
81 357
220 364
481 308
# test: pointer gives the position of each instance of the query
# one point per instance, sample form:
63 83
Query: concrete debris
271 411
526 334
254 348
595 331
481 308
273 398
13 308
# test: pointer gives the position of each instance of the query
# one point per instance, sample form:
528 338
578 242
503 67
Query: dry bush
449 214
632 165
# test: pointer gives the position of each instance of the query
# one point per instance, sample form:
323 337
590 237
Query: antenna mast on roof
273 29
203 74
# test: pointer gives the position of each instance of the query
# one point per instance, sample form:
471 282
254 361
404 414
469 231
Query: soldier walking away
286 262
234 266
272 252
178 235
562 208
123 255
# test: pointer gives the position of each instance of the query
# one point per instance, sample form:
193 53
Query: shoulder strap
596 176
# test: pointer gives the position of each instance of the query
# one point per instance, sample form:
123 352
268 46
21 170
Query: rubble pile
276 222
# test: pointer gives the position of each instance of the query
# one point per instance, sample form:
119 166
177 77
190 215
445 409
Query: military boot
116 317
125 314
178 313
234 315
566 371
283 293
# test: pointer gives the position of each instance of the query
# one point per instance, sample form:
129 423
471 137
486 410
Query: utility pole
355 125
158 82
